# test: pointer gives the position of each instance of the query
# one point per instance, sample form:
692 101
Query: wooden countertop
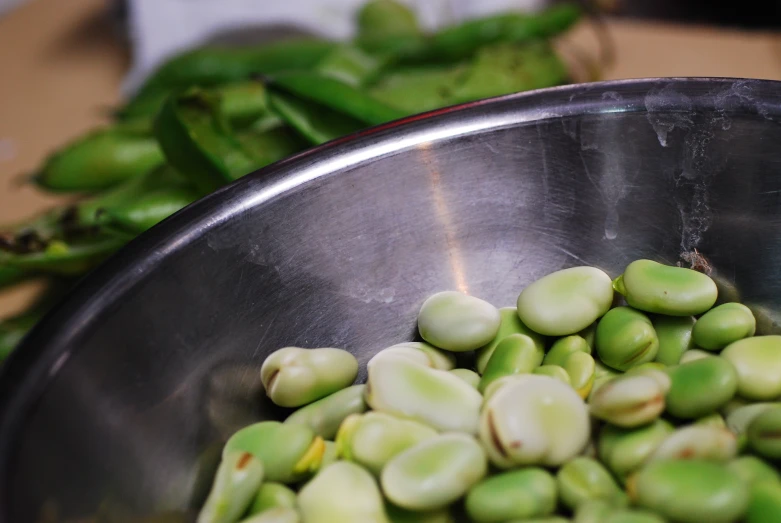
61 68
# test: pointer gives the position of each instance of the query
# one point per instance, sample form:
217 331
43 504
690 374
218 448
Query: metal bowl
118 401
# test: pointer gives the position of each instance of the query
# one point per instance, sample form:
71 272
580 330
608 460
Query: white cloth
161 28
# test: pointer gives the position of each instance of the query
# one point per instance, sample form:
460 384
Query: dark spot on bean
244 460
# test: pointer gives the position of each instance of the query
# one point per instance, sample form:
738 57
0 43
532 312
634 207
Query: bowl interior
131 386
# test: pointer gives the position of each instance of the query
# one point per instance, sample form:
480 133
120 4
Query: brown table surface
62 67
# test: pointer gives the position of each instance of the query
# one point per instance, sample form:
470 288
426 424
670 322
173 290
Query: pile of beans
637 400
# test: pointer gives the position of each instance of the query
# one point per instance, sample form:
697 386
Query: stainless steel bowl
121 396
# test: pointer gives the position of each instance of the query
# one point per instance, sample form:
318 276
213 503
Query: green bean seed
764 433
294 377
663 289
563 347
287 452
510 324
468 376
325 415
675 337
534 420
626 450
585 479
553 371
758 364
700 387
515 354
690 491
275 515
626 338
272 495
374 438
765 504
723 325
526 493
342 493
457 322
431 396
566 301
237 480
753 470
434 473
628 401
697 442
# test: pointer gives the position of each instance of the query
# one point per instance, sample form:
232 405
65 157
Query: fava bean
690 491
700 387
272 495
275 515
580 369
723 325
526 493
753 470
566 301
563 347
237 480
515 354
431 396
765 503
675 337
758 364
553 371
294 377
468 376
628 401
325 415
534 420
626 450
626 338
342 493
434 473
585 479
697 442
694 354
422 353
510 324
664 289
764 433
457 322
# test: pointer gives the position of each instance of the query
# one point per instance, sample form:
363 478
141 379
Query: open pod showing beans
575 407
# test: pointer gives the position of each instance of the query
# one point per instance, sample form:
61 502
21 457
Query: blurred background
67 65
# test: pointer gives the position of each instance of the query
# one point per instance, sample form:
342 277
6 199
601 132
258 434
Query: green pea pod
11 276
272 495
522 494
336 95
690 491
350 65
65 259
433 87
508 68
237 480
288 452
315 122
198 142
385 24
209 66
99 160
461 41
150 209
342 493
325 415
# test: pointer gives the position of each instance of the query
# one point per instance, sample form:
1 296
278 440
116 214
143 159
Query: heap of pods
634 400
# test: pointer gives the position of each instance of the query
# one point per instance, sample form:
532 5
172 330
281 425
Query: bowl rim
25 375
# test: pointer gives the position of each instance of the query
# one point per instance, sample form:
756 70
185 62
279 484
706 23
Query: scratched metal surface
123 395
